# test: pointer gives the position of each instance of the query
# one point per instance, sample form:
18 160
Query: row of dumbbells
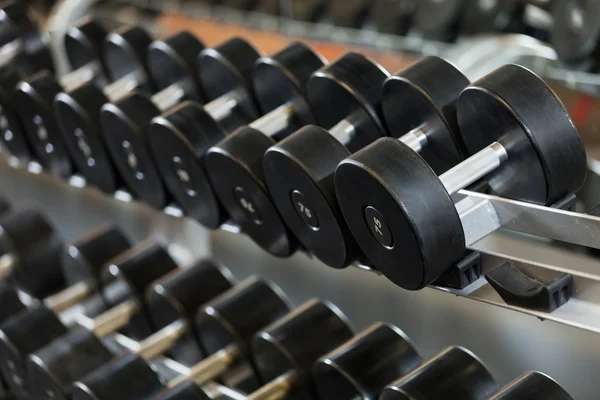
364 189
245 334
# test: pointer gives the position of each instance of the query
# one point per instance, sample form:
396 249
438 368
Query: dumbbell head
398 209
393 16
455 373
575 34
227 69
125 122
235 165
439 20
532 383
83 43
296 341
12 134
178 296
84 259
233 318
128 276
362 367
307 10
492 16
351 14
179 138
11 303
78 110
36 248
299 169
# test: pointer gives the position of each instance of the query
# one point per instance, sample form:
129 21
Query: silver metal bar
68 297
119 88
343 131
81 75
168 97
7 264
113 319
222 107
474 168
10 51
275 121
163 340
415 139
210 368
277 389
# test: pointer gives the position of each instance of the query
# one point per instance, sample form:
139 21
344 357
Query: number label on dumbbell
378 227
305 210
247 205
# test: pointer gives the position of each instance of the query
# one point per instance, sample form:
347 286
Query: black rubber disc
12 134
124 125
178 141
393 16
299 173
425 95
492 16
34 104
439 19
235 168
522 388
281 79
349 13
125 52
512 105
399 213
349 87
83 44
576 31
227 69
307 10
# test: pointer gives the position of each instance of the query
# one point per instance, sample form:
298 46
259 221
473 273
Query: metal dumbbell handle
278 388
210 368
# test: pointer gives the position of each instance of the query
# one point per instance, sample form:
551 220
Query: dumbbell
349 13
132 272
393 16
306 10
34 95
522 141
226 322
179 140
532 384
235 165
482 16
439 20
362 367
299 170
172 301
77 110
455 373
575 34
125 123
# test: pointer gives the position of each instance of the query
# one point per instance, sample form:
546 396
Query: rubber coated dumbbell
522 142
125 123
106 382
439 20
35 94
78 110
176 298
346 93
179 139
362 367
532 383
132 271
299 170
393 16
575 34
482 16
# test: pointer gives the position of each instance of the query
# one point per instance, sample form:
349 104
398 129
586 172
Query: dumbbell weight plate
393 16
576 31
492 16
307 10
12 134
349 13
439 19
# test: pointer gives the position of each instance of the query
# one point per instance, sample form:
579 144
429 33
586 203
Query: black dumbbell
30 252
575 33
78 110
172 303
393 16
522 142
455 373
532 384
125 123
439 19
299 170
132 272
347 90
482 16
180 139
306 10
34 96
284 353
227 322
349 13
366 364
